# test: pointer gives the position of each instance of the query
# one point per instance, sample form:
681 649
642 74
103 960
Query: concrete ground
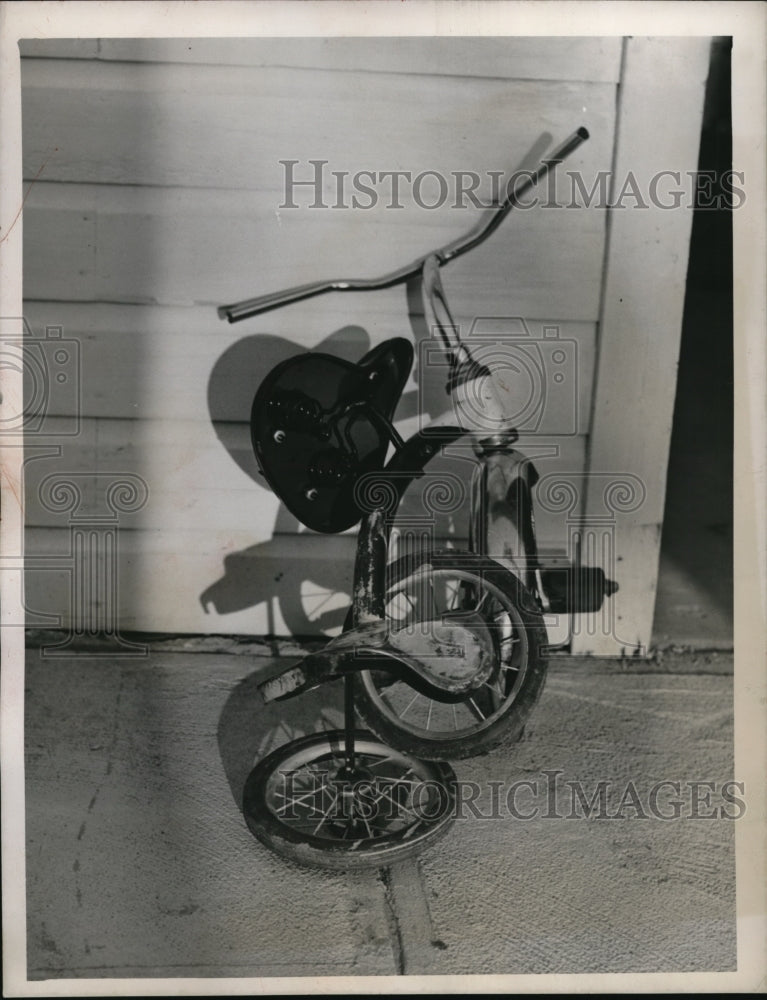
139 862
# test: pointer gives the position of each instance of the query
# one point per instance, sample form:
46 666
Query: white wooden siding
641 332
589 59
159 198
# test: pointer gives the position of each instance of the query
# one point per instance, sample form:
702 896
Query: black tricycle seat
319 423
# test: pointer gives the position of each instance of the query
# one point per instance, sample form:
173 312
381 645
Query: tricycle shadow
300 591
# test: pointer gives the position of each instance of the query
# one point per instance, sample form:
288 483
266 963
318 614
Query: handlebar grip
579 136
274 300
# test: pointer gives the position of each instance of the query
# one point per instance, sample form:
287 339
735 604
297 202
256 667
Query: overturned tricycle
444 652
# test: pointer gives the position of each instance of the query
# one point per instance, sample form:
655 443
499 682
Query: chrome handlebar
478 234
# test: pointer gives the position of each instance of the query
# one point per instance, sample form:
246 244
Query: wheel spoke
385 795
480 609
393 782
477 709
383 777
300 799
377 763
311 772
326 814
495 688
461 593
409 599
367 826
415 697
411 829
432 598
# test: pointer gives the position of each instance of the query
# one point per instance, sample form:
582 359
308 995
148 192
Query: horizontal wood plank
170 582
272 588
224 126
549 58
174 247
153 363
202 478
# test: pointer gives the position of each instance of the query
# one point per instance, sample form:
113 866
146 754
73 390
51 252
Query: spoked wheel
305 803
447 586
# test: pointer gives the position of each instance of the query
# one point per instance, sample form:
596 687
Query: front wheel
445 585
305 803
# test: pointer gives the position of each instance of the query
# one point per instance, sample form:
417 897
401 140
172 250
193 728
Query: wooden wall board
178 363
248 587
200 477
229 127
550 58
173 247
159 198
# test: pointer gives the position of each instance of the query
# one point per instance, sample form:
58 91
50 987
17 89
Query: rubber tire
291 844
508 727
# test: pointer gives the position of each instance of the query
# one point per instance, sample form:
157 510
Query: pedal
576 589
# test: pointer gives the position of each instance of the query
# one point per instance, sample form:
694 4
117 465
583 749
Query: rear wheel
445 585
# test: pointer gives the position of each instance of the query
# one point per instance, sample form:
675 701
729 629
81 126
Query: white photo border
745 23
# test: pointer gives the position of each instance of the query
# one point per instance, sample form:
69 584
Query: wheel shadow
248 729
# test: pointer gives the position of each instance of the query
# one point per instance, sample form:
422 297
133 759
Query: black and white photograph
383 543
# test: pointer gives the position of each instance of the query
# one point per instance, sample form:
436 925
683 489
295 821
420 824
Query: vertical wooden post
660 110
